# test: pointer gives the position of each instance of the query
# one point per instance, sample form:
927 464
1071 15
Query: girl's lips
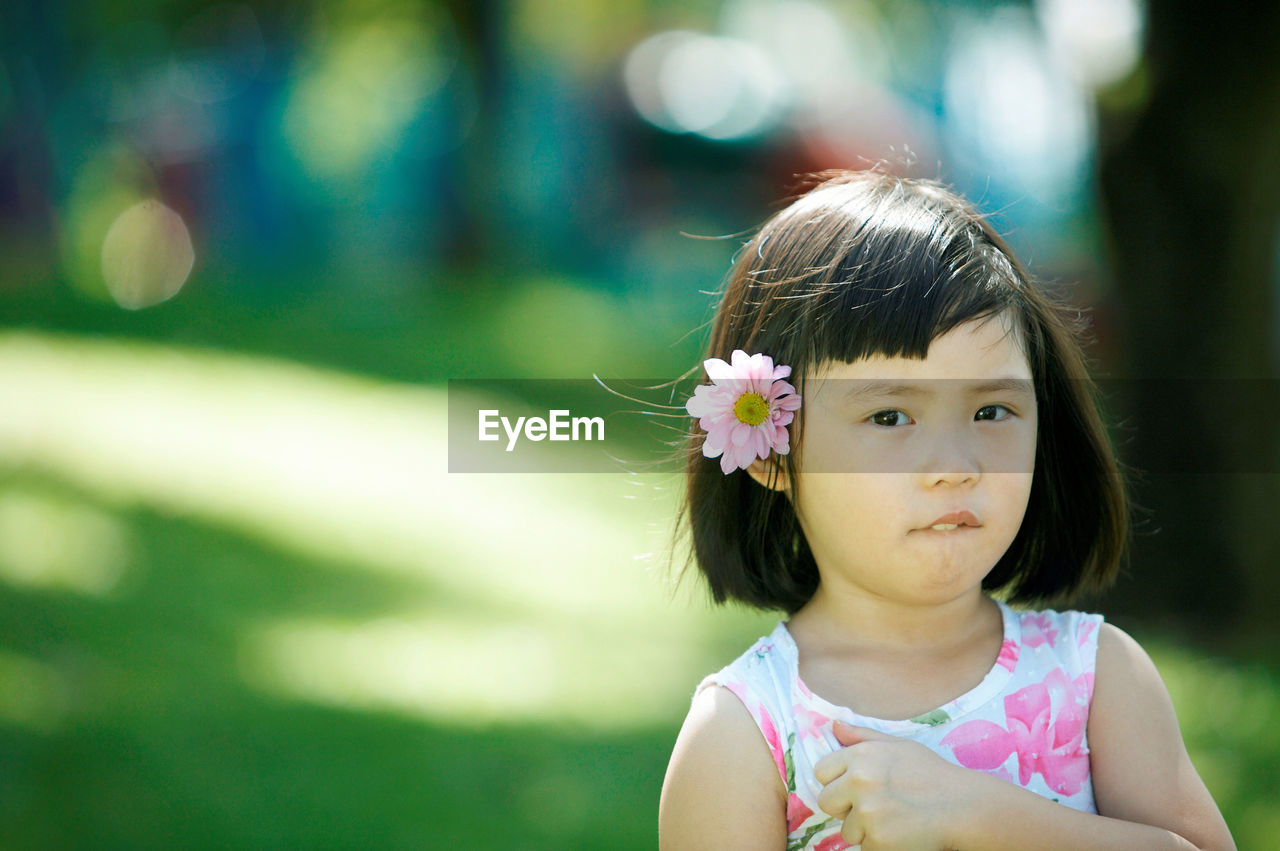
961 518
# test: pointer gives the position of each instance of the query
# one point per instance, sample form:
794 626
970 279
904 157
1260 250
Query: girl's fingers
852 831
848 734
834 802
829 767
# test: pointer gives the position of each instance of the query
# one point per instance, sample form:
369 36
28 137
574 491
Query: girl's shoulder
722 780
761 679
763 671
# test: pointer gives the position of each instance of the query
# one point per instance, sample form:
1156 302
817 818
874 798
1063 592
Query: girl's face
878 468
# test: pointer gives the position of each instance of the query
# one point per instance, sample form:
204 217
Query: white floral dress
1025 722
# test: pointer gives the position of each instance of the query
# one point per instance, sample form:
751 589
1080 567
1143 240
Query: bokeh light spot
146 255
718 87
1016 107
364 85
1100 40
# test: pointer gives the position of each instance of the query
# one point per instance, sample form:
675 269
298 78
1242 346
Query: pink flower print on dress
1008 658
1054 750
1003 774
980 745
739 689
775 741
1086 630
1084 688
832 843
1038 629
797 813
1046 744
763 650
808 722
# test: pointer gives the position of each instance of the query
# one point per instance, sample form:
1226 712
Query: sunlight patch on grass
353 471
471 671
326 465
51 542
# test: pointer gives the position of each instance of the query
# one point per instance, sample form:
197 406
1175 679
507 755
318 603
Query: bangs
881 274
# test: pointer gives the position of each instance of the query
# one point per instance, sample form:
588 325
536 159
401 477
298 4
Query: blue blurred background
244 246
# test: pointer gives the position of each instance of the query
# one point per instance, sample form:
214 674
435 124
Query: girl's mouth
954 520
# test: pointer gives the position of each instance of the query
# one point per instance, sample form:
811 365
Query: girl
903 704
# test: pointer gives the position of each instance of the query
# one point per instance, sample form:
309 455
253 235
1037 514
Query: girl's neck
858 622
894 661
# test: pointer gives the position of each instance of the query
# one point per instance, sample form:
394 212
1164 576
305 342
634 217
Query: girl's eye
993 407
889 415
888 418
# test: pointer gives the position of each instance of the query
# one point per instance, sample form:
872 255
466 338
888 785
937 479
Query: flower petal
980 744
781 388
722 421
761 373
797 813
761 441
1065 773
788 403
714 443
699 404
717 369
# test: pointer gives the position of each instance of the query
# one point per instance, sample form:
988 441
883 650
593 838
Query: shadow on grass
154 738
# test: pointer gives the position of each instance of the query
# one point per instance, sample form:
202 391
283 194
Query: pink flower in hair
746 411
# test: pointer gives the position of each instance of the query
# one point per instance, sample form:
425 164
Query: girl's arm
1140 767
900 794
722 787
1147 791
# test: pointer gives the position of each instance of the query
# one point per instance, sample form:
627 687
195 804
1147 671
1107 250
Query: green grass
244 605
140 727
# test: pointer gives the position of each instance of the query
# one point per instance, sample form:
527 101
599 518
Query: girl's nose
954 478
952 459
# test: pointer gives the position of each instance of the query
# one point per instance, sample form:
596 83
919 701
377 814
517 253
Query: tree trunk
1190 185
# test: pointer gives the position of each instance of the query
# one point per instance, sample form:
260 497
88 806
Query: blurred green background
243 247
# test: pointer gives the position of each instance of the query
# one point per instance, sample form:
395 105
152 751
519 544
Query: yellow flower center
751 408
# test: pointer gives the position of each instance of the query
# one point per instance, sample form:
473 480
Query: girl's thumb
848 734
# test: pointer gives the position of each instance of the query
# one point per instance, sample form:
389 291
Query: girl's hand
894 794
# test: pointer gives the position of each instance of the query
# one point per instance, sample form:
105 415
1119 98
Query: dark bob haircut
868 263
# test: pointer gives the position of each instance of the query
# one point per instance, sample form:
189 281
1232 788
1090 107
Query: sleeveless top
1025 722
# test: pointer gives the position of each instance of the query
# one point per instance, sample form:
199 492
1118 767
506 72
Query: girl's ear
769 473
